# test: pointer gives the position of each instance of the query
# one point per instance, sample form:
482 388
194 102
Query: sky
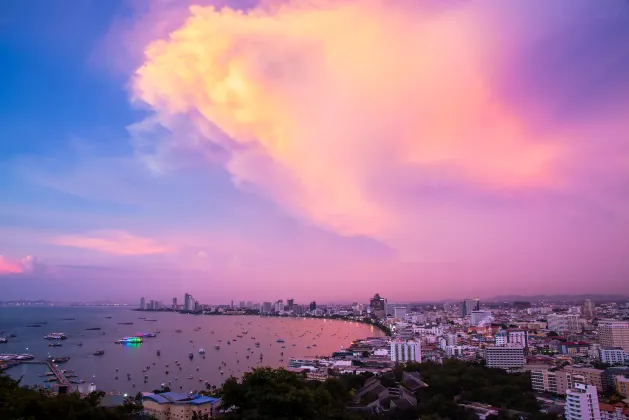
315 149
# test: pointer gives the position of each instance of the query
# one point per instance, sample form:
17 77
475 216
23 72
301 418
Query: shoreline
363 320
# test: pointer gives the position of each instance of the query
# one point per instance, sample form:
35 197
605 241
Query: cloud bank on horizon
478 145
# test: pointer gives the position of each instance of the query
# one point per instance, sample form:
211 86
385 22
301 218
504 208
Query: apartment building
614 333
509 357
582 403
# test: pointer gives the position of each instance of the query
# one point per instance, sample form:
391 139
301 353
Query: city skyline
439 150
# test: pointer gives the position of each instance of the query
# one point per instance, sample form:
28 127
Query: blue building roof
203 400
157 398
174 396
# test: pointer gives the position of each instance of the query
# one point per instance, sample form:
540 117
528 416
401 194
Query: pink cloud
115 242
20 266
314 112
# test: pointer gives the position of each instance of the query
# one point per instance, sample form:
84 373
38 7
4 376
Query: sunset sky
315 149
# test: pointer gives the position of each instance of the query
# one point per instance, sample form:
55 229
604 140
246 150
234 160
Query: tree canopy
17 402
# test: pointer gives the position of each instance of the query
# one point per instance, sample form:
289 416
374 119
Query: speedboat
190 355
201 351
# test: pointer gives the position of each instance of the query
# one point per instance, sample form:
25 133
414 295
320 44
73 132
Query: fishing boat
201 351
217 347
279 340
159 352
99 352
55 336
190 355
57 344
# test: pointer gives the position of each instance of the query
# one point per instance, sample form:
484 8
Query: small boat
217 347
125 323
92 329
201 351
55 345
177 331
279 340
190 355
189 377
99 352
79 344
159 352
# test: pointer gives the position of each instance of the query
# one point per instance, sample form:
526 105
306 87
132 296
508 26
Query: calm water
328 336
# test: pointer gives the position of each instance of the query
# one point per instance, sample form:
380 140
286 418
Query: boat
92 329
99 352
159 352
67 319
201 351
12 335
79 344
3 340
125 323
177 331
55 336
108 317
228 342
33 325
127 340
55 344
58 360
279 340
217 347
190 355
189 377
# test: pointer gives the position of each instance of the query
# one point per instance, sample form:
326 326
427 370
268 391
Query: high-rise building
582 403
152 304
242 304
290 303
501 338
508 357
187 306
564 323
399 312
614 333
403 351
174 303
378 306
613 355
249 304
518 337
587 309
266 307
279 306
469 305
313 306
142 304
476 317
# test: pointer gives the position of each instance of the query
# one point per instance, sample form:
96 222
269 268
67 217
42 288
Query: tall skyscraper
267 307
142 304
587 309
469 305
187 303
313 305
174 303
378 305
290 303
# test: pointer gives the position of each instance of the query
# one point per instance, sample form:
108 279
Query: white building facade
582 403
403 351
509 357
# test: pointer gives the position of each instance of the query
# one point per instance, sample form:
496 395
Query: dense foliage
18 402
267 393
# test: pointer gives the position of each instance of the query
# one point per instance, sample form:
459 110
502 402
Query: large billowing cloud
406 121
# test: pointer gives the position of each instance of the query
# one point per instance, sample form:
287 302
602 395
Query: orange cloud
323 97
115 242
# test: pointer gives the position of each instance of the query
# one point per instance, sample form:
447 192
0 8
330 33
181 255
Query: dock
64 383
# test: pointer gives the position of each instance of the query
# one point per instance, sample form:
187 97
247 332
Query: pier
64 383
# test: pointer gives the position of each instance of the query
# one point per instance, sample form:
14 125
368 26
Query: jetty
64 383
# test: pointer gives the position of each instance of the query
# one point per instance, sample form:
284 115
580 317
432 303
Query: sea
123 368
